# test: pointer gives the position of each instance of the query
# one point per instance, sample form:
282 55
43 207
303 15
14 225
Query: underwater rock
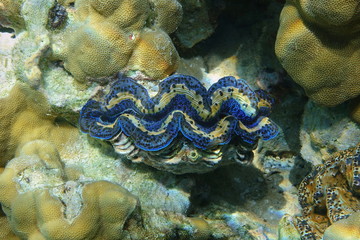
61 180
325 131
7 78
208 120
197 23
28 59
327 195
324 37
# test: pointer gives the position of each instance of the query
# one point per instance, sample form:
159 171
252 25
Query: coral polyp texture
42 202
325 38
108 36
182 110
10 14
329 196
26 116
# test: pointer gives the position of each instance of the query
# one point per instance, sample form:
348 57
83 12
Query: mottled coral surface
105 37
318 43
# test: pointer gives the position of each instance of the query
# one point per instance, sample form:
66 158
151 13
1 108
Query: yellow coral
5 231
202 228
166 11
10 14
112 35
346 229
318 43
26 116
41 204
287 229
154 54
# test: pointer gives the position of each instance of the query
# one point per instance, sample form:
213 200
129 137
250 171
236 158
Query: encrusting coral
25 116
318 43
10 14
108 36
42 202
329 196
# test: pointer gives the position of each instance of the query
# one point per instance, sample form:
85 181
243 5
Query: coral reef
327 195
41 201
88 41
10 14
26 116
325 131
228 111
120 35
324 37
47 179
62 167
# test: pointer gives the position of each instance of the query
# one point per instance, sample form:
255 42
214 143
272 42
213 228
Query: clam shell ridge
206 117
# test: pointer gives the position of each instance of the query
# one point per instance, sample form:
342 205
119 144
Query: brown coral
111 36
318 44
41 201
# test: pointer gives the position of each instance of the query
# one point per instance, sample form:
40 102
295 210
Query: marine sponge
111 36
25 116
41 202
318 43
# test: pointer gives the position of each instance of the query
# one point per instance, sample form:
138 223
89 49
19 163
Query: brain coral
42 202
318 43
108 36
25 116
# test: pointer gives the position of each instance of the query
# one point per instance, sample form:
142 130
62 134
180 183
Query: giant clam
328 195
184 127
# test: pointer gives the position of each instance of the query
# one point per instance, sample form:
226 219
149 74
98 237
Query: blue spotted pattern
228 109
